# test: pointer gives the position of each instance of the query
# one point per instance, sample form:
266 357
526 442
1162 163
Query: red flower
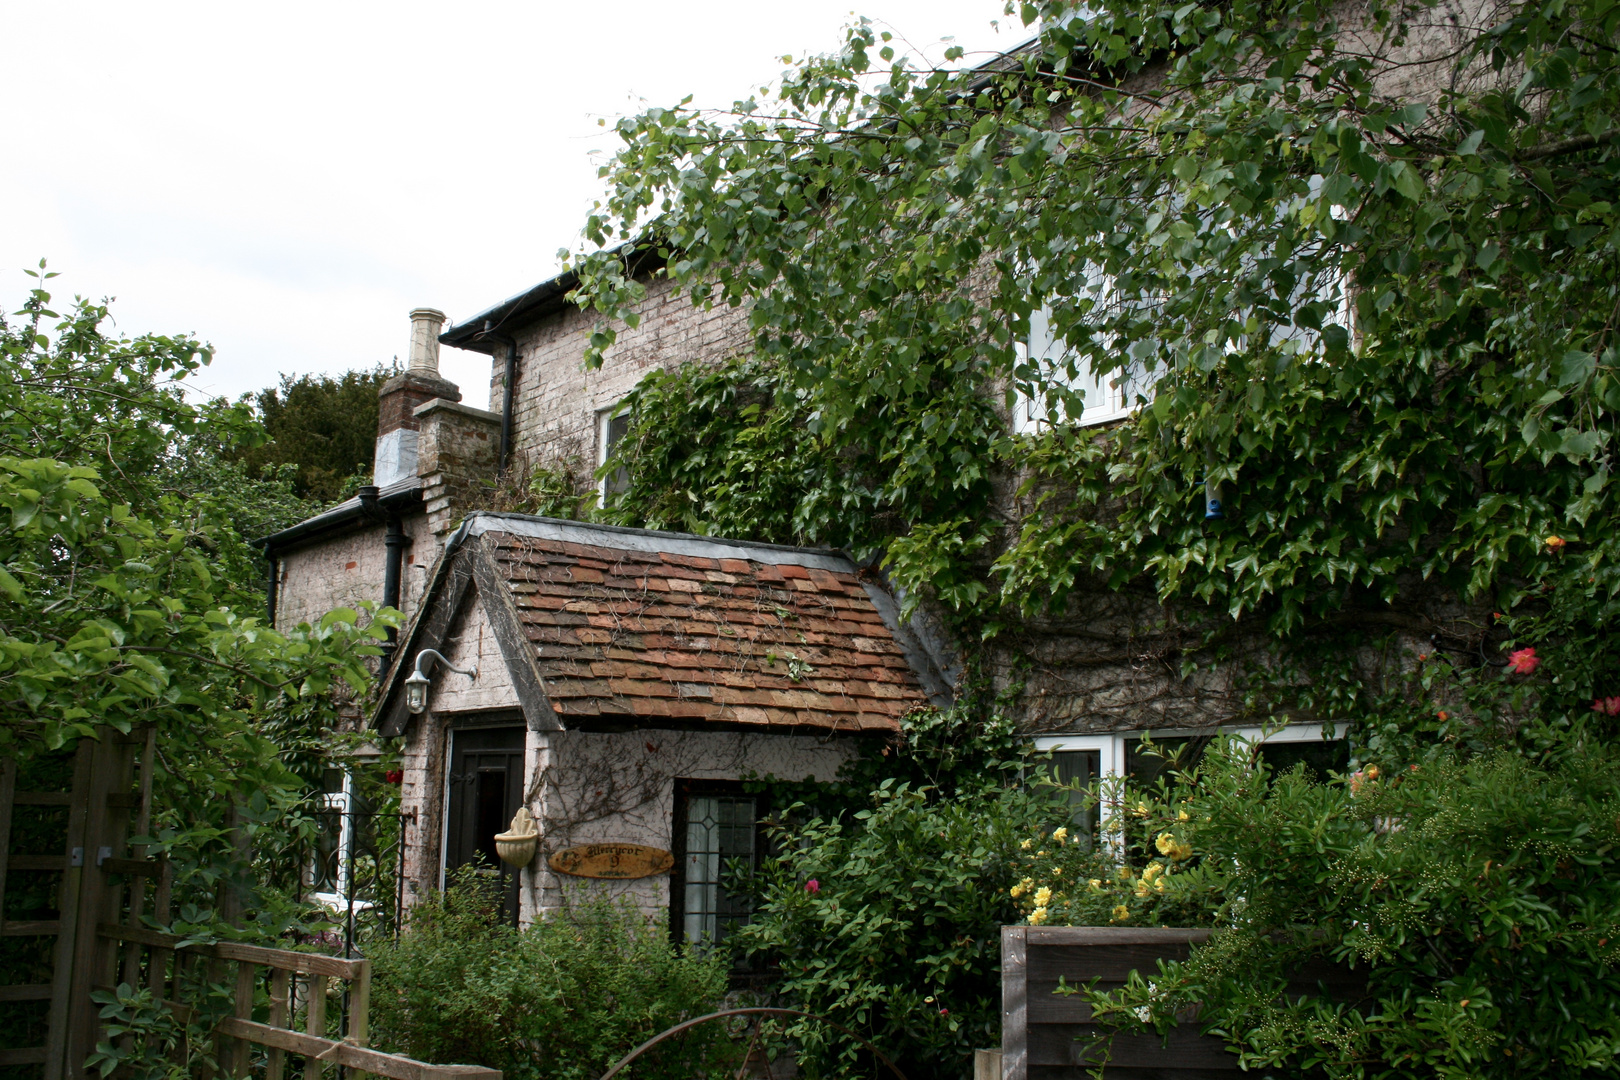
394 776
944 1012
812 886
1608 706
1523 661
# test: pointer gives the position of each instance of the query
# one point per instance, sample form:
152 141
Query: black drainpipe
394 542
270 583
393 560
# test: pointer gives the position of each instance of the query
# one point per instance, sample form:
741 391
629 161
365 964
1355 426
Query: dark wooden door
486 788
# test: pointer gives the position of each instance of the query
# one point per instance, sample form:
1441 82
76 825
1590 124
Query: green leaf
1575 367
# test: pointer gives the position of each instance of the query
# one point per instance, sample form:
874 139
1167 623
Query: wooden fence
107 890
1048 1036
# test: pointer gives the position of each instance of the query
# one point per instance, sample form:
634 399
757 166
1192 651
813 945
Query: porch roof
628 625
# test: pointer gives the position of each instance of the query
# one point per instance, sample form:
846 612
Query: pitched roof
627 625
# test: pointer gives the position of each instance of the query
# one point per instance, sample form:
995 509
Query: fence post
315 1017
67 907
359 1012
280 984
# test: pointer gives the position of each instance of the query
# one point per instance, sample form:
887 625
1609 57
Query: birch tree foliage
1361 260
129 592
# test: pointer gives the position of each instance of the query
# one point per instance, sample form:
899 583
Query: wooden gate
99 937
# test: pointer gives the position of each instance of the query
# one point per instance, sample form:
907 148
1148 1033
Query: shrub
883 905
562 999
1476 893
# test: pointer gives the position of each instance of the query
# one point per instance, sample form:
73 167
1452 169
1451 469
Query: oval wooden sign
617 861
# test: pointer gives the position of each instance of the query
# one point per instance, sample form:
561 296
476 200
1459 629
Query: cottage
619 685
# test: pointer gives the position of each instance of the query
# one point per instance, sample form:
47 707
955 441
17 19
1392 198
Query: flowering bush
1477 893
1068 880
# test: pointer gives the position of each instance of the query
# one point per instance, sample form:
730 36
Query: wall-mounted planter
518 844
1045 1036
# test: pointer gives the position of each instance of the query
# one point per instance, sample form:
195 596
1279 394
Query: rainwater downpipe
270 582
393 559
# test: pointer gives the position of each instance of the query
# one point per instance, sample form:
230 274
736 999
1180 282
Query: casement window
612 424
716 827
1107 396
330 872
1120 753
1123 754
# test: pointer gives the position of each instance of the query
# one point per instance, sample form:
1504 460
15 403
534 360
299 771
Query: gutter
398 498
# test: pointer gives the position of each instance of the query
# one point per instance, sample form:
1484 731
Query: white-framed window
1107 396
1113 756
330 875
612 424
1113 753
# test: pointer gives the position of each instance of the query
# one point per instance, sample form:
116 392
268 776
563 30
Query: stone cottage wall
344 570
555 410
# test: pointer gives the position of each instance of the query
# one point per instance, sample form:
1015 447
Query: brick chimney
419 383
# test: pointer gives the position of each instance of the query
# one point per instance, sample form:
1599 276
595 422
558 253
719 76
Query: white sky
288 180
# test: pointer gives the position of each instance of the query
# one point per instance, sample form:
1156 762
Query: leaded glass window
719 829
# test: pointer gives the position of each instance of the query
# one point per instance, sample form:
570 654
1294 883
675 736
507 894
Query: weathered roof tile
666 634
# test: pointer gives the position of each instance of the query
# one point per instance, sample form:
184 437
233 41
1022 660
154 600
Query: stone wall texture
557 401
344 570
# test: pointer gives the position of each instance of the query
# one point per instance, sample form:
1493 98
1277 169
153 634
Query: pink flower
1608 706
1523 661
944 1012
812 885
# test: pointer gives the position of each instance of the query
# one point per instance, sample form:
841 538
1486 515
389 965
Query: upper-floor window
612 424
1109 395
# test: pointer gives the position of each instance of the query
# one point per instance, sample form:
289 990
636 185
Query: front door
486 788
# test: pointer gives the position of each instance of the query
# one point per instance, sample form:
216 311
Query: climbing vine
1359 266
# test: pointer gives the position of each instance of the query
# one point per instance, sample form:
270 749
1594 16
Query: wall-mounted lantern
416 686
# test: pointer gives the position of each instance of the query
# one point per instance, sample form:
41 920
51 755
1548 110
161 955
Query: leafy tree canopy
129 592
324 426
1203 194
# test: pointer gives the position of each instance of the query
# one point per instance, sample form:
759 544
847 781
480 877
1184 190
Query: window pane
719 828
1077 769
1319 758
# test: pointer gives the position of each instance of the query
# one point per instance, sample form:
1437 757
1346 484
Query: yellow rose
1096 885
1181 815
1127 874
1153 870
1017 890
1043 896
1165 843
1057 871
1141 809
1037 916
1141 890
1159 885
1060 835
1182 851
1026 844
1040 854
1121 913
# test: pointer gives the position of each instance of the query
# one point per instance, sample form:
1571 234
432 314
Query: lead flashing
650 541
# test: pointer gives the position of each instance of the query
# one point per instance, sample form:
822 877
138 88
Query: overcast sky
288 180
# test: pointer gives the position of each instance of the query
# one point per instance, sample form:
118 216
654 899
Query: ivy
1239 180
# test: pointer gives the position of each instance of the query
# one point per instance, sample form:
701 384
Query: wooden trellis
107 890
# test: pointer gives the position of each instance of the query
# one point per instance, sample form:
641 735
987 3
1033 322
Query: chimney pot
425 326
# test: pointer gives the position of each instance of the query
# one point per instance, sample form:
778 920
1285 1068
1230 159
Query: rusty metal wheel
753 1039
